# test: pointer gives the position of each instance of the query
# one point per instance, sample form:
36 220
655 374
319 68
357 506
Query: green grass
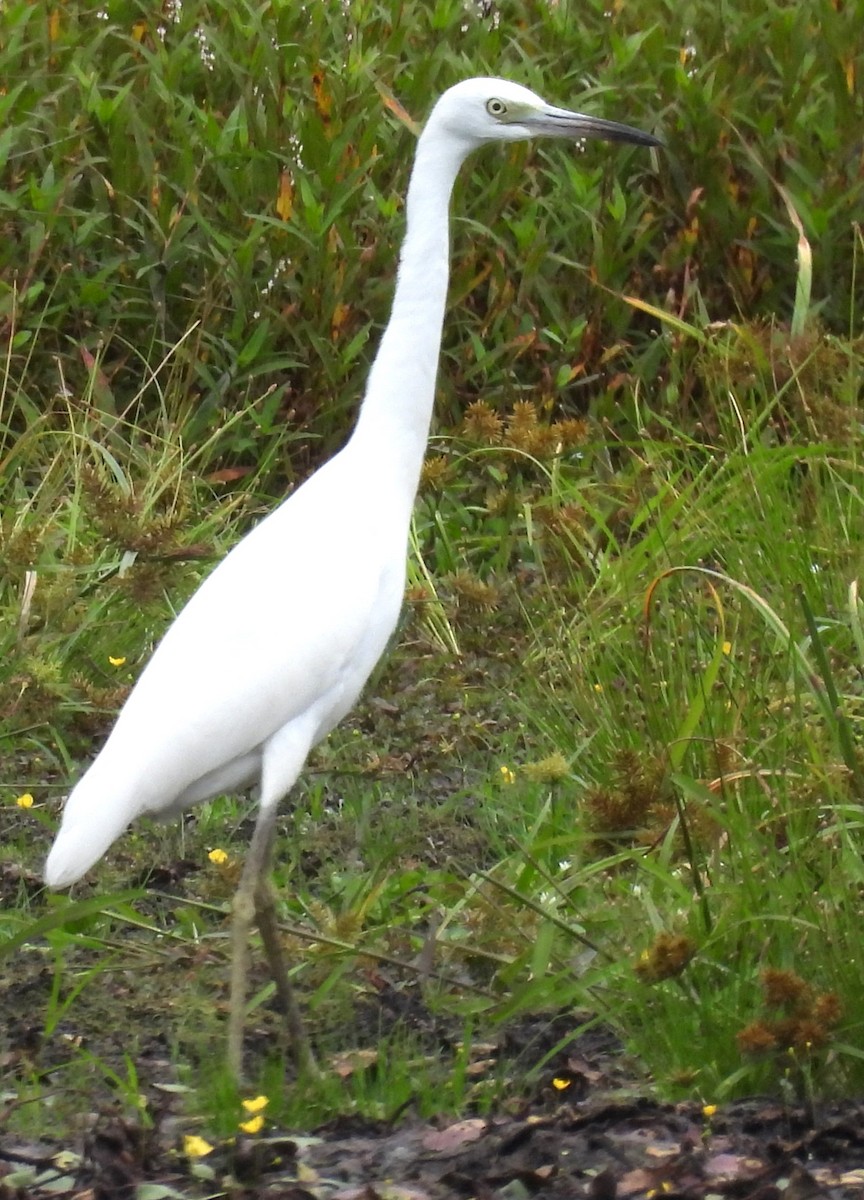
613 764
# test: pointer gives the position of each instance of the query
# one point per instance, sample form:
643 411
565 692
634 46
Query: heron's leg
283 756
243 915
299 1046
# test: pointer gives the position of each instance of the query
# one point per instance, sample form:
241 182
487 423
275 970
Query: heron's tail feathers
90 824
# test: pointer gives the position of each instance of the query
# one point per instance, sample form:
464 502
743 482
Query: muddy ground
584 1130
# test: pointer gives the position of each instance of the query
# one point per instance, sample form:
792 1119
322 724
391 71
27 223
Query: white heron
276 644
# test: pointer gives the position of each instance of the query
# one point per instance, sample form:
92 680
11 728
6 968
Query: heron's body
235 689
275 646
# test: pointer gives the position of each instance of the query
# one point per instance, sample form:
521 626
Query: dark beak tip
639 137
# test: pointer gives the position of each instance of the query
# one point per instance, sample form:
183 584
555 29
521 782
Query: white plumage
275 646
265 658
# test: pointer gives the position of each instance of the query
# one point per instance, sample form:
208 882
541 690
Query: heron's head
495 110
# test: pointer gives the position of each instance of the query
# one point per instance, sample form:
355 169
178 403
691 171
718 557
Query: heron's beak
560 122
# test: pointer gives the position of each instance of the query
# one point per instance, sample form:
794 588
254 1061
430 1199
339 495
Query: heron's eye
496 108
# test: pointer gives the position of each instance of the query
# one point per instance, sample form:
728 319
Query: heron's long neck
397 408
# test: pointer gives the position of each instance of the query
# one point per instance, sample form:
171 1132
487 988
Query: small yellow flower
598 687
708 1110
257 1105
507 775
253 1125
195 1146
116 662
217 856
560 1083
25 801
727 647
